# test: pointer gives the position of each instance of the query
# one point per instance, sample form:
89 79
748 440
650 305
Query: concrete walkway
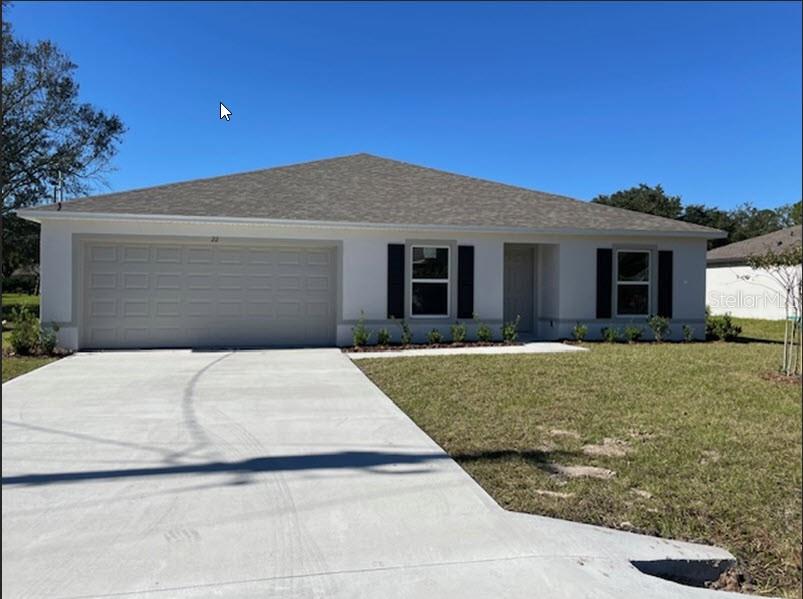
538 347
281 473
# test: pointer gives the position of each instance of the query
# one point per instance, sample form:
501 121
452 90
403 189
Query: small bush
611 334
579 332
360 334
458 331
383 336
722 328
510 330
406 335
633 333
25 336
484 333
659 326
434 337
688 333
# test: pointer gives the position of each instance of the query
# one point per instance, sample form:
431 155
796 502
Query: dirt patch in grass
733 580
609 448
778 377
579 471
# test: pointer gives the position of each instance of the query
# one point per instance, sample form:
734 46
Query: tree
785 268
791 214
46 131
651 200
710 217
749 222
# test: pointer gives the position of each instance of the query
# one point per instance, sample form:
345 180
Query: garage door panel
136 254
199 256
136 308
168 281
103 253
168 255
136 280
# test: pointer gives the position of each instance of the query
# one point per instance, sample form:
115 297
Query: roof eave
38 215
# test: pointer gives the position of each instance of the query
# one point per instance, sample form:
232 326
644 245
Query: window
632 283
429 281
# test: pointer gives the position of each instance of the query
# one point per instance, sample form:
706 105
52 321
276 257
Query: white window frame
648 282
441 281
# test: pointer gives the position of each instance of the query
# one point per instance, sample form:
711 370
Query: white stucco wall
742 291
577 284
566 271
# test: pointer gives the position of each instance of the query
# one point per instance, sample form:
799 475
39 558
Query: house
295 255
732 286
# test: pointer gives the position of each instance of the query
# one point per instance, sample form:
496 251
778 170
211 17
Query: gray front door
519 285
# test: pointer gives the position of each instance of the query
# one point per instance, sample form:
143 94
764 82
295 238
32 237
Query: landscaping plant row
362 336
720 328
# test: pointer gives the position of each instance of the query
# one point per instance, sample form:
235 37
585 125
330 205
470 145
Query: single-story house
296 255
733 287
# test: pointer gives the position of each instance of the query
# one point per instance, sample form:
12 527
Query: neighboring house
295 255
733 287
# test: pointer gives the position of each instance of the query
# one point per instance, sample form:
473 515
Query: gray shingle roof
367 189
739 252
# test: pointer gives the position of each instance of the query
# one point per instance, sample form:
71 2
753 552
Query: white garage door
207 295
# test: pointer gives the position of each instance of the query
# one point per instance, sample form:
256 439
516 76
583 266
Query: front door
519 285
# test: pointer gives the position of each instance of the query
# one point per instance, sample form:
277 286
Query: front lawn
14 366
704 448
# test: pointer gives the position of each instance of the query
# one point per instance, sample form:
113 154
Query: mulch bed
779 377
397 346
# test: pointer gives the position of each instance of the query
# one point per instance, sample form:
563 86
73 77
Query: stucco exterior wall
744 292
565 266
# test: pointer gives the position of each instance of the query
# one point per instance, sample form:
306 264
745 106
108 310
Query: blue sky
572 98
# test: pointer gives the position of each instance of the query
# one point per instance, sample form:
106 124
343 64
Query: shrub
610 334
510 330
25 336
434 337
383 336
633 333
722 328
484 333
579 332
406 335
360 334
659 326
458 331
48 339
688 333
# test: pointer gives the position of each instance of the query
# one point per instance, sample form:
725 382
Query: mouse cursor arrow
225 113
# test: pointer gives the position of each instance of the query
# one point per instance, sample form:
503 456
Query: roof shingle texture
771 242
367 189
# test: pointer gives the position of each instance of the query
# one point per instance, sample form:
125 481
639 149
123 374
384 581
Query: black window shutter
465 281
395 280
604 282
665 283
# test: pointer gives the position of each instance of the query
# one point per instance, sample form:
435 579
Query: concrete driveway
282 473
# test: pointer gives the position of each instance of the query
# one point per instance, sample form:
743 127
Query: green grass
756 329
14 366
716 445
12 300
17 365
